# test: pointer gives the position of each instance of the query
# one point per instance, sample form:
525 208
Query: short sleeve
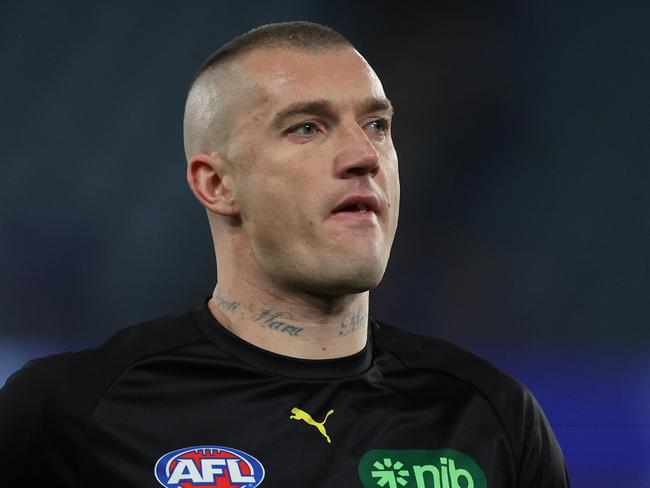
22 409
542 461
35 426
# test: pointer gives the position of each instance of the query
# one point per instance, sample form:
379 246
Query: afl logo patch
208 467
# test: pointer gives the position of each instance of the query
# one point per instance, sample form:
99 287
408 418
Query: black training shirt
182 402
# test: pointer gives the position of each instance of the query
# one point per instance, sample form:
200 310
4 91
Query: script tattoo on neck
224 304
354 322
276 321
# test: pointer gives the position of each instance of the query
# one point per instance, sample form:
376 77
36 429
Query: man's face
314 131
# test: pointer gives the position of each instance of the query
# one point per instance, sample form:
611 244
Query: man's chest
279 434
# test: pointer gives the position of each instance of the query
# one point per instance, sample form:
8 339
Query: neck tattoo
285 322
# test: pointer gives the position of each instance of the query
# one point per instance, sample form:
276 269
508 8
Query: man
280 378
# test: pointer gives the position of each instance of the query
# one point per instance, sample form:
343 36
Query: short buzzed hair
303 35
203 120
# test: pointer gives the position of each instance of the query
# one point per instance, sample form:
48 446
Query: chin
332 275
350 280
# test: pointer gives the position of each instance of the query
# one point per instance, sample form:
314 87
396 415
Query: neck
297 325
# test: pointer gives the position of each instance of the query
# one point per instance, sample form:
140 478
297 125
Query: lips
358 203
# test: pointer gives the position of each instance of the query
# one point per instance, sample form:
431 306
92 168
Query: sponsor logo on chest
208 467
404 468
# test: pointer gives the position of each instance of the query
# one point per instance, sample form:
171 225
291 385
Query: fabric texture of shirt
180 401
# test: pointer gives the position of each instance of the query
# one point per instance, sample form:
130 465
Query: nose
357 156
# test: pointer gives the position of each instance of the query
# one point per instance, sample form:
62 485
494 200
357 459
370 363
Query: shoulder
54 395
72 369
417 351
529 434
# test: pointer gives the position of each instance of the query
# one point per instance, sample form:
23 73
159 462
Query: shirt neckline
279 364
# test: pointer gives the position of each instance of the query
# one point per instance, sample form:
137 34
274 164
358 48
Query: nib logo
389 473
397 468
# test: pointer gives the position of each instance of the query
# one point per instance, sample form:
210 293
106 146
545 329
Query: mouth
358 204
357 210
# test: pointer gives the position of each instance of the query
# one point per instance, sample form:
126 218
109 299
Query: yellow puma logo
298 414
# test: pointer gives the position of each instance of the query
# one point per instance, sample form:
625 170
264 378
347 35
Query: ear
210 180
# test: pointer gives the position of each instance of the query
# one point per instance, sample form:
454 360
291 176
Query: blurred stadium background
525 221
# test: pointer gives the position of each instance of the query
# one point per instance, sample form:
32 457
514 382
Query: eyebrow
326 108
377 105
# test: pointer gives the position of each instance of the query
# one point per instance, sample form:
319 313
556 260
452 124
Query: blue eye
380 125
305 129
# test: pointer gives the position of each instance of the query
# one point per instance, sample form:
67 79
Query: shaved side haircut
205 113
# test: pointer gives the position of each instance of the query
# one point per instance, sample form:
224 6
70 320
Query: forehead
282 76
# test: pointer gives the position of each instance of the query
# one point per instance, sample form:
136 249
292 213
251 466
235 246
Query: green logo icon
403 468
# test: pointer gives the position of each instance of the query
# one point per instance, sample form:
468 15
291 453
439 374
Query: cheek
280 195
273 209
391 173
393 188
